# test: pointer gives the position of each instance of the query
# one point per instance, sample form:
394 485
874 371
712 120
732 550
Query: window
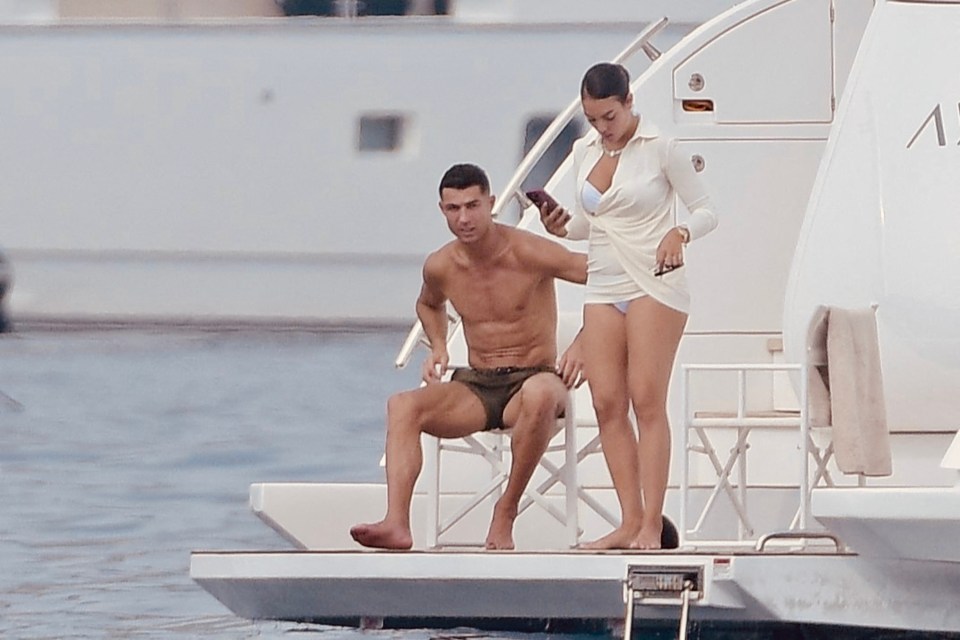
363 7
380 133
558 150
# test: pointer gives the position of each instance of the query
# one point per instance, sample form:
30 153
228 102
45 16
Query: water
123 451
132 449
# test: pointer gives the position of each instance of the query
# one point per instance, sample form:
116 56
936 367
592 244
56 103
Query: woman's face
613 120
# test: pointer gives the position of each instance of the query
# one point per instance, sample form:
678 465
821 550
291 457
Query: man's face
469 212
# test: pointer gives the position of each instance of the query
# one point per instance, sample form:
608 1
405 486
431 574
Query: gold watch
684 234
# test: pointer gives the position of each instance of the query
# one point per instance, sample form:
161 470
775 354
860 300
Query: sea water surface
122 451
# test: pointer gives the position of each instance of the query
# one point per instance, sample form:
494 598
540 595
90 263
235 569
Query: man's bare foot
649 537
500 535
381 535
620 538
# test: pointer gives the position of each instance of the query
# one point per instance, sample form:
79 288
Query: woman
636 300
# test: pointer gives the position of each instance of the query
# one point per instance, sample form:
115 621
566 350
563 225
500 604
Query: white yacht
175 165
816 474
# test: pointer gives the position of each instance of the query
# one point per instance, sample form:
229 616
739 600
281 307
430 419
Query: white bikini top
590 197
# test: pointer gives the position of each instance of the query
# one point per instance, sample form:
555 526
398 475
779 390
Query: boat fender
669 538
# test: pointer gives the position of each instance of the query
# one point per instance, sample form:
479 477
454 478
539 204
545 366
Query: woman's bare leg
605 363
653 334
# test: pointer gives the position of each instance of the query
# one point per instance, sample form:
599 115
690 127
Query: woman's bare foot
500 535
382 535
620 538
649 536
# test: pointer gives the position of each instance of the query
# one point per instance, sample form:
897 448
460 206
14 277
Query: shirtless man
501 282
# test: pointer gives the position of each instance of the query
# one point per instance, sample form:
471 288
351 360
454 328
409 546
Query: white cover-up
634 214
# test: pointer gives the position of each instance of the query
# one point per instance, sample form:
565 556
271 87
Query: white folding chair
813 413
744 422
491 447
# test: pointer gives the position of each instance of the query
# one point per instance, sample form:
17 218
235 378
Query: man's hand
570 366
435 366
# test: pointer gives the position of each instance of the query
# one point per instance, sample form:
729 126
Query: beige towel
818 380
861 441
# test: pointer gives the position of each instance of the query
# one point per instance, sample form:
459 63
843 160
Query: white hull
351 587
898 567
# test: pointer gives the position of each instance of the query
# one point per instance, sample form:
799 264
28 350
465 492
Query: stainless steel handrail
512 190
799 535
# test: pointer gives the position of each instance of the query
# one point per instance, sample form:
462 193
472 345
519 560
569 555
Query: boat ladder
661 585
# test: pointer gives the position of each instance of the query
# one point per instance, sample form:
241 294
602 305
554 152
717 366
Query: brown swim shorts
495 387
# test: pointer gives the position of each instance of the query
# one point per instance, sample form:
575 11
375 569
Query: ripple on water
132 449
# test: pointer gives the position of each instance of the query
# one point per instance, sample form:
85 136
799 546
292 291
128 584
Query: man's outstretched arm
554 259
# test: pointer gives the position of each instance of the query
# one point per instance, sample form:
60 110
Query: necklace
613 153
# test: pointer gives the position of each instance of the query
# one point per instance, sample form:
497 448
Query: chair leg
822 473
821 458
565 474
723 478
431 477
475 501
570 482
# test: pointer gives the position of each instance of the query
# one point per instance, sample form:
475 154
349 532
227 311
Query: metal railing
512 189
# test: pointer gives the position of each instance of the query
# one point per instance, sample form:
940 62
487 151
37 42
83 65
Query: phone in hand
539 197
659 270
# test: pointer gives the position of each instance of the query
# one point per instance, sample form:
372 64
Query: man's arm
554 259
432 312
557 261
570 365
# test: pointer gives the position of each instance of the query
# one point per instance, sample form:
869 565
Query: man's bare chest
494 294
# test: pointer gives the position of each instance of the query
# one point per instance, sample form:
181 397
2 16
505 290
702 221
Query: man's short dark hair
464 176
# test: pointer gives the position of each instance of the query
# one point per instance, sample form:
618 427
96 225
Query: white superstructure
172 168
876 229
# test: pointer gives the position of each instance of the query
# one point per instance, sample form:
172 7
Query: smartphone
659 271
541 197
